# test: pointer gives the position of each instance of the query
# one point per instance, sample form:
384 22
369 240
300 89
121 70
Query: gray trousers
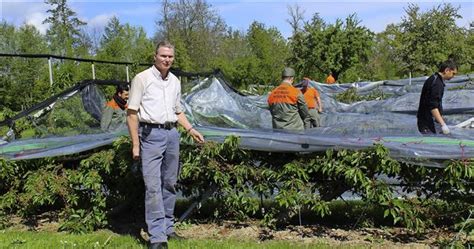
159 152
315 118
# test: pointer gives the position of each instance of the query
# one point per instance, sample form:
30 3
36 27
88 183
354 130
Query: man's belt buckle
169 125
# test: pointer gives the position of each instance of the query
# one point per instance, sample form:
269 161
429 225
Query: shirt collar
286 83
441 78
157 73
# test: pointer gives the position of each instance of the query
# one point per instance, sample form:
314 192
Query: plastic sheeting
72 123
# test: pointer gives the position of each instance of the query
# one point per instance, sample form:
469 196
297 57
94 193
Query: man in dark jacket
431 99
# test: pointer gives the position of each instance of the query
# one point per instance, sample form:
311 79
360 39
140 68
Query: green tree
426 39
271 53
469 60
196 30
112 31
319 48
302 47
123 42
64 31
256 57
7 43
19 74
65 38
234 58
384 63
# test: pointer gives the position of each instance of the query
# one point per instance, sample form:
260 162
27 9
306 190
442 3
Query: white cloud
36 19
32 13
18 11
100 21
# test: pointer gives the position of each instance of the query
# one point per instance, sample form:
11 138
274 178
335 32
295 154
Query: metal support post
128 77
50 72
93 71
197 203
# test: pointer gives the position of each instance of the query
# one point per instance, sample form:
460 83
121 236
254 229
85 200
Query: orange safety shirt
330 79
112 104
310 96
284 93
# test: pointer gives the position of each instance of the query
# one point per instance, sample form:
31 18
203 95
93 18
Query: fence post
93 71
128 77
50 72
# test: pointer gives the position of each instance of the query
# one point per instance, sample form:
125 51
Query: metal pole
409 76
50 72
197 203
93 71
128 77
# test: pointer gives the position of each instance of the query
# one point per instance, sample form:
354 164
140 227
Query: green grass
108 239
100 239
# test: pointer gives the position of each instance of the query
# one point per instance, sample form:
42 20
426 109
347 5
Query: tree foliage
19 74
196 30
424 39
84 188
319 48
64 31
235 58
383 63
269 53
123 42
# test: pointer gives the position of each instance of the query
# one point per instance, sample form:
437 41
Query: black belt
166 125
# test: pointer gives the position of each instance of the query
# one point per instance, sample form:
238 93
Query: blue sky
238 14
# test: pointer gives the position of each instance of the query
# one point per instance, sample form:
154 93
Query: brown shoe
175 236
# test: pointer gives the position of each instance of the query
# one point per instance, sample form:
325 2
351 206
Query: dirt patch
365 237
47 222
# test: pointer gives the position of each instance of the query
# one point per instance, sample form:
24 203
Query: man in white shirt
154 109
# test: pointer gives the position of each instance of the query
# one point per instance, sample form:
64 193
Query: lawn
108 239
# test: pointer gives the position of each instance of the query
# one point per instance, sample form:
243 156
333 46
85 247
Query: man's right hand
135 152
445 129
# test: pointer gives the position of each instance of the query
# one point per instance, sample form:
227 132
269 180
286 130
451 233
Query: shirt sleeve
135 94
436 92
179 107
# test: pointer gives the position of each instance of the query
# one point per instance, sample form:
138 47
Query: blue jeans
159 152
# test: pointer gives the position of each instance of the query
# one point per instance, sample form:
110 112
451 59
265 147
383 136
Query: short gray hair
165 44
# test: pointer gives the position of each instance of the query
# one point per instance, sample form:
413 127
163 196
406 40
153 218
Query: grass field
108 239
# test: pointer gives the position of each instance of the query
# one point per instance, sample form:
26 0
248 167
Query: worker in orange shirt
313 100
330 79
287 106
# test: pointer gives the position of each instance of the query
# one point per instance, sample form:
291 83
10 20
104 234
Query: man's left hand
196 135
445 129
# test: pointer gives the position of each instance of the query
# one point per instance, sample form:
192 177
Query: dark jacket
431 98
